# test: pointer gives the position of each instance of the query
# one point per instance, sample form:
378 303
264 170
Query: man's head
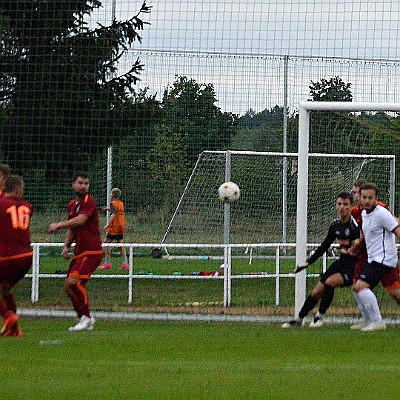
5 170
356 189
116 193
80 184
368 196
14 185
344 202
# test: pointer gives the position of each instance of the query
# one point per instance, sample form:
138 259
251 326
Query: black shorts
373 273
345 269
114 237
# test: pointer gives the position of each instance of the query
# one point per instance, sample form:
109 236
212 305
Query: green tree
333 89
334 131
376 118
260 131
168 166
59 83
189 110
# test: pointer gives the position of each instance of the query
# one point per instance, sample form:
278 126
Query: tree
333 131
261 131
376 118
333 89
168 167
58 83
189 109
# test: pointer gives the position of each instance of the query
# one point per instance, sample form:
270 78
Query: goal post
305 109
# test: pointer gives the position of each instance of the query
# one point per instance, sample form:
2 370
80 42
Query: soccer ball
228 192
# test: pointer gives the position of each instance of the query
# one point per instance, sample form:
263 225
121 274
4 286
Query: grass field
166 360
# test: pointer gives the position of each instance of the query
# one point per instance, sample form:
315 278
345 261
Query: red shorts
83 265
392 280
14 268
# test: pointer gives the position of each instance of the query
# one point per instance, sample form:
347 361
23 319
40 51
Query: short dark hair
12 183
369 186
345 196
5 169
359 182
80 174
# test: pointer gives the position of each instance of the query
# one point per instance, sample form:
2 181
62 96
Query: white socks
368 305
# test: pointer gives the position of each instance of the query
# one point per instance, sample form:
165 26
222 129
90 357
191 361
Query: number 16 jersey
15 218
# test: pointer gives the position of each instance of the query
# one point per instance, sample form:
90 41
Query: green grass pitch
168 360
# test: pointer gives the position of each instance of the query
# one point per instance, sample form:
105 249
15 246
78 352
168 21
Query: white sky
329 28
306 28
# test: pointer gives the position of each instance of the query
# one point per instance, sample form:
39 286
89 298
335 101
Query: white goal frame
305 108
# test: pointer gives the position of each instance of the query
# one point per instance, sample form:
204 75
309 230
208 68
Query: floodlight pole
285 160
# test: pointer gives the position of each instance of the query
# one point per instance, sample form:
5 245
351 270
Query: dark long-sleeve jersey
343 233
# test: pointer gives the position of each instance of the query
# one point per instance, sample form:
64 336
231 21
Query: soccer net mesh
266 210
206 83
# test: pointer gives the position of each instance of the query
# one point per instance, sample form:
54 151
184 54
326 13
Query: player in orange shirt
391 282
4 172
82 228
115 229
15 250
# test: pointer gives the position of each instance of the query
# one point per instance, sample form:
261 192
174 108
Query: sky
186 37
334 28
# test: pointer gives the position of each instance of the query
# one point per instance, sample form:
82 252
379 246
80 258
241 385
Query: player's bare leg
107 253
124 265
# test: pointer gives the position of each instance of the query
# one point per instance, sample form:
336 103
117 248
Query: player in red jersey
391 282
82 228
4 172
15 250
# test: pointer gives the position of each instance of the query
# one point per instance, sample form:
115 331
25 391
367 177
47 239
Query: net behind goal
266 210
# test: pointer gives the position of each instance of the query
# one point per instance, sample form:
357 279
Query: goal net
266 210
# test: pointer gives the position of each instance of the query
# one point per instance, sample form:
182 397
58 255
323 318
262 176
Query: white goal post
302 184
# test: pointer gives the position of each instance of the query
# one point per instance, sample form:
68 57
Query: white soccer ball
228 192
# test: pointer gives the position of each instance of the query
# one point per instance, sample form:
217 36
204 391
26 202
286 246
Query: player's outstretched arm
301 267
68 224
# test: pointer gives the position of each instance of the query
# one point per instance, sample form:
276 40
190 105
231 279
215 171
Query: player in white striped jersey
380 229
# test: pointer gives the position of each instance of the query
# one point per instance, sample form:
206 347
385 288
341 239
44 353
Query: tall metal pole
285 160
109 179
113 9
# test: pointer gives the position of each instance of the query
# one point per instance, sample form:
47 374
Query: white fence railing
280 253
